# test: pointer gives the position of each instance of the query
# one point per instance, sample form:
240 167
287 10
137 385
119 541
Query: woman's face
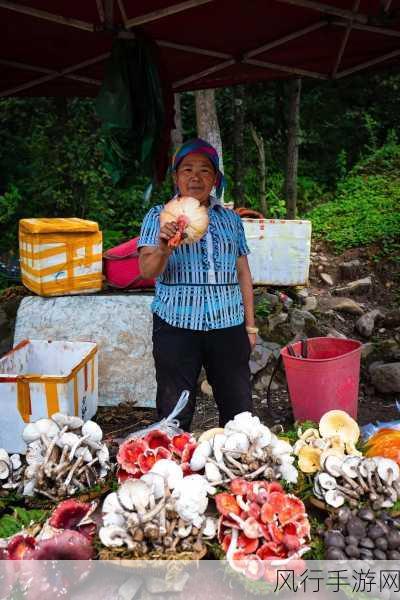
195 177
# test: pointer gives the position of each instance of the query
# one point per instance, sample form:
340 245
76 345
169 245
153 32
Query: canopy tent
58 48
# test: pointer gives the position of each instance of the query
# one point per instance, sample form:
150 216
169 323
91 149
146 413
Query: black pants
179 355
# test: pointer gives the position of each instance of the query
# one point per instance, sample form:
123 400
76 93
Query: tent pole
18 65
123 12
100 10
224 65
165 12
370 63
371 28
286 38
42 14
344 41
284 68
327 9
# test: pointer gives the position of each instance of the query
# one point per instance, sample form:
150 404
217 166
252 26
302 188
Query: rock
392 318
350 269
261 354
385 377
262 296
326 278
121 325
341 304
365 324
354 287
276 319
336 334
311 303
302 293
299 319
206 388
366 350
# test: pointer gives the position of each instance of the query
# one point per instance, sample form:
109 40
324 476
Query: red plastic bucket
326 380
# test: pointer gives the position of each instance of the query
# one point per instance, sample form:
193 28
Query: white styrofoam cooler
39 378
279 250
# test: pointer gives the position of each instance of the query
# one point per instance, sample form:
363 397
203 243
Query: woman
203 312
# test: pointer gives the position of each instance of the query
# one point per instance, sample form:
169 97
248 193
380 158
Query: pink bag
121 267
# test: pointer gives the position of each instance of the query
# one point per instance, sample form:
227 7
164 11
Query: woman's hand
252 339
167 232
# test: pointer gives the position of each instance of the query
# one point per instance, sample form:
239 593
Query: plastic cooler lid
71 225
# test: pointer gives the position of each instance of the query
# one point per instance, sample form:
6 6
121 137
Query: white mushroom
92 431
289 473
111 504
114 537
4 455
114 518
237 443
212 472
68 439
85 453
350 466
16 461
334 498
156 482
200 455
218 443
210 528
170 471
318 492
63 420
34 453
33 431
388 470
134 494
281 447
327 482
332 465
4 469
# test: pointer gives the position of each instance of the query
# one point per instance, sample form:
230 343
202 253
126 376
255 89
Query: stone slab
121 325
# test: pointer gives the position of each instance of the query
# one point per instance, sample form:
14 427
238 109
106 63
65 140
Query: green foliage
263 309
19 519
366 207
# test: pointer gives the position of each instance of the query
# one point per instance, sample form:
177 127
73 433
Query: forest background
53 161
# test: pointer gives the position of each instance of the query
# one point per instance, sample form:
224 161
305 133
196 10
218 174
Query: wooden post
207 121
294 88
177 132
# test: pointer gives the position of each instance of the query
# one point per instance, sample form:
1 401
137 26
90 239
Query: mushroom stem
74 467
236 464
223 468
47 494
257 471
348 493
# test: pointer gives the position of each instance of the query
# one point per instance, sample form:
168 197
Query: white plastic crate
40 378
279 251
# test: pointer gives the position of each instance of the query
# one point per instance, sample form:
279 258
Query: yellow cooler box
60 256
39 378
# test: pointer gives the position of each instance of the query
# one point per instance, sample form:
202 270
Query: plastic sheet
169 425
370 429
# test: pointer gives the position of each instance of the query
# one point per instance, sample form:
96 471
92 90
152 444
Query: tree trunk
262 169
207 121
238 147
177 132
294 93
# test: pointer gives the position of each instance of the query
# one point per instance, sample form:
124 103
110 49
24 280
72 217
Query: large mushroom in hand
190 216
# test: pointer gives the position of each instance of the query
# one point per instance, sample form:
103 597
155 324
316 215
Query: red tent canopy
58 48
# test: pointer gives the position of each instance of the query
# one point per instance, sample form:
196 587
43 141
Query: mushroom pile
261 527
137 456
245 448
11 470
362 534
64 456
353 479
337 435
162 512
67 534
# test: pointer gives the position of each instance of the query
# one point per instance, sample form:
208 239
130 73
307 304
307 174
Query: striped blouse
199 288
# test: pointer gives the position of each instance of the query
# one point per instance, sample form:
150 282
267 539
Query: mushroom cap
4 469
309 434
93 431
33 431
309 459
200 455
4 455
332 465
169 470
334 498
327 482
350 466
209 434
388 467
237 442
69 421
338 422
134 494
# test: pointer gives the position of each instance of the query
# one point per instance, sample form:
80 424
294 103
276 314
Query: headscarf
200 146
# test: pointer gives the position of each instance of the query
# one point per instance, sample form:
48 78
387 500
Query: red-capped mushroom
157 439
69 513
254 567
247 545
180 441
129 453
19 545
67 545
226 504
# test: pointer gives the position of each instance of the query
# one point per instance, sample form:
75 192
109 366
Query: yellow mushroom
310 434
336 442
339 423
309 459
331 452
209 434
351 449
